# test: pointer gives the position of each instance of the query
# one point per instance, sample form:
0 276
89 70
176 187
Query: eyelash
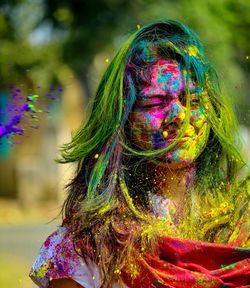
193 101
154 105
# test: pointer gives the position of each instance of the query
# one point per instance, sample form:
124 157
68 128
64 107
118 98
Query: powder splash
23 111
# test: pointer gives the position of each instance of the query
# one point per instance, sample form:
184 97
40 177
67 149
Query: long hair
110 213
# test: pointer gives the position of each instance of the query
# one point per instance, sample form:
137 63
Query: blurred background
58 51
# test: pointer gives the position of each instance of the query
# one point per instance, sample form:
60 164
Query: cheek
154 89
176 86
198 118
147 120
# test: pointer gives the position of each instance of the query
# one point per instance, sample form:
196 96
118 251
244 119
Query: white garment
58 259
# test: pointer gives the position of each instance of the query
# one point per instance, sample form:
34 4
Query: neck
170 183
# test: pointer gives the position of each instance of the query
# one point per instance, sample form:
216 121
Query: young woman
155 201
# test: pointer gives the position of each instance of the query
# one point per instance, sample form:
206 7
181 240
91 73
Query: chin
173 164
174 160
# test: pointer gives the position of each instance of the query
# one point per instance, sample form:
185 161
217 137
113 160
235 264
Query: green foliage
80 30
22 59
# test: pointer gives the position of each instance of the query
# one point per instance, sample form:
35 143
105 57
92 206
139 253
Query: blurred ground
21 235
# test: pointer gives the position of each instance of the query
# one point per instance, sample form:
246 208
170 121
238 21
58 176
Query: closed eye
182 98
154 101
194 99
153 105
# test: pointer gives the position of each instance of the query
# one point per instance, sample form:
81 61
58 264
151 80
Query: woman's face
160 111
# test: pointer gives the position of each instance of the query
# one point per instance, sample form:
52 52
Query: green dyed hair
101 147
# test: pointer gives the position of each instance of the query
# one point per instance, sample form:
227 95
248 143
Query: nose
175 113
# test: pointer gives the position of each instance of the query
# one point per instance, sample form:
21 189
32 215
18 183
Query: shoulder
58 258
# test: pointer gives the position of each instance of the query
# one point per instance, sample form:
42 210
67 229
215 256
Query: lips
159 141
173 137
189 133
163 143
181 141
185 139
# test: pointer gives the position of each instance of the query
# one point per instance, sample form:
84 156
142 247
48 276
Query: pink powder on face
166 79
160 111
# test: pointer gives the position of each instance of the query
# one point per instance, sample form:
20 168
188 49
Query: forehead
164 66
165 77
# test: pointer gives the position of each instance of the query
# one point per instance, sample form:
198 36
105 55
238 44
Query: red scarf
192 264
